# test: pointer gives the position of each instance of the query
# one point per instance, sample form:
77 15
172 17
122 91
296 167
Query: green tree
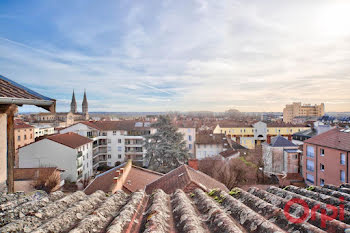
166 149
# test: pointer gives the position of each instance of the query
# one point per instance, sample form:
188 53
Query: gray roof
280 141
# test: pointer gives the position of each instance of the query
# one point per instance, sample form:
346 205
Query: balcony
80 153
79 165
99 151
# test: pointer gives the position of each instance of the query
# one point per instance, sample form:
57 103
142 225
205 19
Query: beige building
299 110
24 135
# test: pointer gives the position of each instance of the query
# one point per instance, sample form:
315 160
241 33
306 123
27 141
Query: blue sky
182 55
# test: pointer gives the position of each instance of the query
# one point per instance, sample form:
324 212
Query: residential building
281 156
186 179
64 119
126 177
326 158
12 95
24 135
209 145
188 129
202 210
42 130
299 110
250 135
234 151
114 141
318 128
69 152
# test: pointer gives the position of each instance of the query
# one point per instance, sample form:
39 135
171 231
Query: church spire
73 104
85 106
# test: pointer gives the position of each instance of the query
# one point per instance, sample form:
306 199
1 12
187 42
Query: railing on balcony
80 153
99 151
79 165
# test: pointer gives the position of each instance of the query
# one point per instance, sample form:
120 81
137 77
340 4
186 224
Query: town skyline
186 55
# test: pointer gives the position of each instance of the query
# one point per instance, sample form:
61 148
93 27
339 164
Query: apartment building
326 158
114 141
302 110
43 130
24 135
250 135
69 152
209 145
188 129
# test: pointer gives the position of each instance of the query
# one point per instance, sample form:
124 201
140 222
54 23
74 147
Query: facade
64 119
298 110
24 135
114 141
250 135
281 156
209 145
69 152
43 130
189 137
326 158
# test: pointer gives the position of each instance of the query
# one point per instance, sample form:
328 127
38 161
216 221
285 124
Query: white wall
46 153
189 132
79 128
208 150
3 148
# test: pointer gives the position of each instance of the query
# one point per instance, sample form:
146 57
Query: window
322 167
190 146
114 133
119 141
109 148
190 138
119 156
310 151
310 165
109 156
342 158
109 164
310 178
342 176
189 130
31 136
18 138
25 137
322 152
119 148
321 182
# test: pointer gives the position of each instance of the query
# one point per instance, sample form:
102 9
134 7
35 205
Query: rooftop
71 140
185 178
280 141
255 210
118 125
14 93
19 124
335 138
209 138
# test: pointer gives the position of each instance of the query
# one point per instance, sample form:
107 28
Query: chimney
115 179
193 163
268 139
290 137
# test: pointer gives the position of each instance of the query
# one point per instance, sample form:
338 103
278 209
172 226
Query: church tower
85 107
73 104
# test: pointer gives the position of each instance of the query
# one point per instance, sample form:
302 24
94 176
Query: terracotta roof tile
19 124
333 138
70 139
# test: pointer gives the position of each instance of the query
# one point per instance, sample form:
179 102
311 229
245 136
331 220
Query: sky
185 55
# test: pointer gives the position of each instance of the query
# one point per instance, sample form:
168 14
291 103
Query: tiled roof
206 138
255 210
137 179
333 138
280 141
184 177
117 125
228 153
232 124
236 145
12 92
19 124
70 139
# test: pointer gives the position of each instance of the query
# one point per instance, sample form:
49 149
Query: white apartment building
114 141
69 152
189 137
42 130
209 145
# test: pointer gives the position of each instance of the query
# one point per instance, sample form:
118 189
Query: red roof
333 138
70 139
182 177
19 124
117 125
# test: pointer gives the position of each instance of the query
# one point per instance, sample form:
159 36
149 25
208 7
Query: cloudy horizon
167 55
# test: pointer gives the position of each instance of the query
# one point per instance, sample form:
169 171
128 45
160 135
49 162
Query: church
64 119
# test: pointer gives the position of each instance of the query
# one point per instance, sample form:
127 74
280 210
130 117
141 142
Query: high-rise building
299 110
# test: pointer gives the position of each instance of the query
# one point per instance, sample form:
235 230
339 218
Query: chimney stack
268 139
193 163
